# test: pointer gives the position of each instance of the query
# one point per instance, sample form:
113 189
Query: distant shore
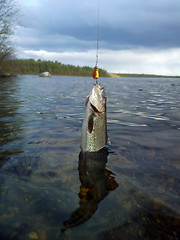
139 75
110 75
36 67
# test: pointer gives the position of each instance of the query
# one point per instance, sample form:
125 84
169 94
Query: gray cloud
68 24
139 36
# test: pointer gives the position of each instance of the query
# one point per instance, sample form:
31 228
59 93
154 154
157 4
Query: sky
138 36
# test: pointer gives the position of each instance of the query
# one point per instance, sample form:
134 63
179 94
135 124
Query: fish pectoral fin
90 123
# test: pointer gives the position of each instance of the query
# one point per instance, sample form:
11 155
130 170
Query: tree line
31 66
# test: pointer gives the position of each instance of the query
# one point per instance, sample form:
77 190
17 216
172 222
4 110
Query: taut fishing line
96 70
97 35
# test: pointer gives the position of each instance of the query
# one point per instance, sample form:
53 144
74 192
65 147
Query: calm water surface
45 190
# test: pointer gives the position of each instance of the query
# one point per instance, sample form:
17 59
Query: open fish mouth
97 99
98 86
94 108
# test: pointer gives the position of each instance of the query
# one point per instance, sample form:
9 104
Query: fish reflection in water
96 183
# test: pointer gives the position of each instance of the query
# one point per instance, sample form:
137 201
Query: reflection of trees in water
96 183
10 121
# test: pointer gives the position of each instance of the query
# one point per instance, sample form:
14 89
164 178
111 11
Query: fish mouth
94 108
100 88
98 109
97 99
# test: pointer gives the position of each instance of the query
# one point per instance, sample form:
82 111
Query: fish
94 127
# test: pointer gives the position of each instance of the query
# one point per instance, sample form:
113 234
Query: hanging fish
94 128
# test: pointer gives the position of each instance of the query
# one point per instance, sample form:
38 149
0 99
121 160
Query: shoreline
140 75
111 75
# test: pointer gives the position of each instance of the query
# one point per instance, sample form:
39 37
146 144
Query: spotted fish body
94 128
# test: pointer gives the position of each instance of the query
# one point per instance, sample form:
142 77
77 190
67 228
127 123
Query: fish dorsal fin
90 123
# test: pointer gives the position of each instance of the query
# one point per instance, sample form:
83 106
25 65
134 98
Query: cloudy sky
138 36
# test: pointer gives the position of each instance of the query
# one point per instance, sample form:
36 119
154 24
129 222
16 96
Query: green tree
31 66
8 12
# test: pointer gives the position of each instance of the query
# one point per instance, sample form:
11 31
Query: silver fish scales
94 128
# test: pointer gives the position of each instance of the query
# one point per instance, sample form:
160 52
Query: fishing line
97 35
96 70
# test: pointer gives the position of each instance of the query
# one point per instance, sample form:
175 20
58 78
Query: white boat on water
45 74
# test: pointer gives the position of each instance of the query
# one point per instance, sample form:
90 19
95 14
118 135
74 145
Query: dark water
45 190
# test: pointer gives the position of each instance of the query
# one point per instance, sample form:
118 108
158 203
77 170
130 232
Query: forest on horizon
31 66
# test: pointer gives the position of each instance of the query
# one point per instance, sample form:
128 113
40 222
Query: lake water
45 190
